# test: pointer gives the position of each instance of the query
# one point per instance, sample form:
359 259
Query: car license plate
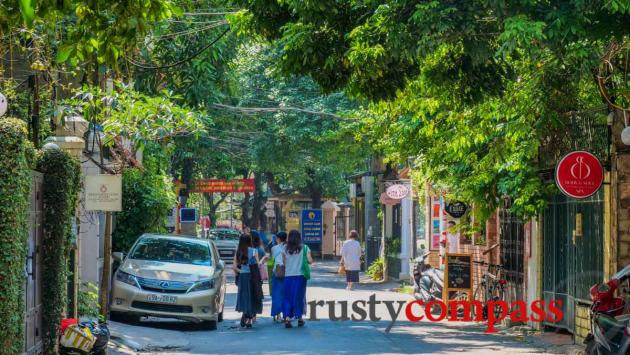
162 298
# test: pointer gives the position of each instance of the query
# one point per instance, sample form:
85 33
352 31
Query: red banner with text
221 185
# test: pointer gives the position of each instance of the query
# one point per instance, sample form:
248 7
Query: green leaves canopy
468 89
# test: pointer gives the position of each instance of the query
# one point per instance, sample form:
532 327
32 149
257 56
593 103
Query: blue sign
187 215
312 226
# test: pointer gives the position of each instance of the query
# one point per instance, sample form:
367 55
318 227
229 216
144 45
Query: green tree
469 90
148 199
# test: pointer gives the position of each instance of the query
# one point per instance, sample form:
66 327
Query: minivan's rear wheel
124 317
209 325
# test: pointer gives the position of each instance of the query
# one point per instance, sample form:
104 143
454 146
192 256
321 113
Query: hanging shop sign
579 174
386 200
221 185
456 209
103 193
397 191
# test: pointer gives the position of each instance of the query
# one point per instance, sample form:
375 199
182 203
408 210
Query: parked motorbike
428 282
610 328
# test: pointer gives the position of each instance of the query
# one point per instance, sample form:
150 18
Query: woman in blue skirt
244 258
277 284
294 281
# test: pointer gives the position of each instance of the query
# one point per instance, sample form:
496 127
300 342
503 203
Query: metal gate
32 282
343 225
512 241
572 257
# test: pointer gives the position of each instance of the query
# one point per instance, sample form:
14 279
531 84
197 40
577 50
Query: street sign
579 174
222 185
456 209
103 193
311 226
188 215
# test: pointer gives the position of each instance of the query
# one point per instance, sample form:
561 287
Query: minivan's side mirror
221 265
118 256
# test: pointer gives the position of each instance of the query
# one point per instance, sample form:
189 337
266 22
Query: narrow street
161 336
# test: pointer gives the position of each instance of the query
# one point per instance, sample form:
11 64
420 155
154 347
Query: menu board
458 273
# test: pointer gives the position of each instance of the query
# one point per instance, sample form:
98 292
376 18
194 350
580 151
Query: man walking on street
351 258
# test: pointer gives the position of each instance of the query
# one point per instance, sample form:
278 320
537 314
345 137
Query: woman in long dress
243 258
294 280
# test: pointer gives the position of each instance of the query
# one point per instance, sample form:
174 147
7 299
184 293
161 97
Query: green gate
572 263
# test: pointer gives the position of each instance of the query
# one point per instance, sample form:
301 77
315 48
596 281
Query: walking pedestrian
257 276
296 256
242 267
277 281
351 258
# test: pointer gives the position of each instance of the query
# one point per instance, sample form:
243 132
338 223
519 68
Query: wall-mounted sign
397 192
311 226
456 209
435 224
221 185
188 215
579 174
103 193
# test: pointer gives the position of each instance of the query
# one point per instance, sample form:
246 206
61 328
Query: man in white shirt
351 258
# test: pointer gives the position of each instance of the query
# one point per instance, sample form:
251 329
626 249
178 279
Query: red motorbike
610 327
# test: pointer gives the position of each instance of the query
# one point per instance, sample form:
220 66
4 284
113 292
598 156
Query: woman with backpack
277 276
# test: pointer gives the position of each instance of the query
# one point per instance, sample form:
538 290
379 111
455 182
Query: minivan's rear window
172 251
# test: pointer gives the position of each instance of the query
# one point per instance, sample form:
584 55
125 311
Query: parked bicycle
491 287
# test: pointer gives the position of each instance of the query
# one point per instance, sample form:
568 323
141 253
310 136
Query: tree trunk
314 189
213 206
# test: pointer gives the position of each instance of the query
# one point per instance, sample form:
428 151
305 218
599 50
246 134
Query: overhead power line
180 62
254 110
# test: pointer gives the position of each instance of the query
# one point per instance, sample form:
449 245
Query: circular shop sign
456 209
397 192
579 174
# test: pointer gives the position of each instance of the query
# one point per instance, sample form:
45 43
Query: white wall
532 272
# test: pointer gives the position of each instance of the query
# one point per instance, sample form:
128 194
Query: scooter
610 328
428 282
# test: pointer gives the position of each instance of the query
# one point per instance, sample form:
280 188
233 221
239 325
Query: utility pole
107 266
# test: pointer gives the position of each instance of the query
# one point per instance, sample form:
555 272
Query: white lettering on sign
397 192
103 193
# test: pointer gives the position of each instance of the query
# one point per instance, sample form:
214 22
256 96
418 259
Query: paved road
160 336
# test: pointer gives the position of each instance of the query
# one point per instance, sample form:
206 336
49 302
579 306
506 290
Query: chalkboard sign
458 273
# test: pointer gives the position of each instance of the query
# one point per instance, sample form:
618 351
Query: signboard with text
222 185
311 226
103 193
579 174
